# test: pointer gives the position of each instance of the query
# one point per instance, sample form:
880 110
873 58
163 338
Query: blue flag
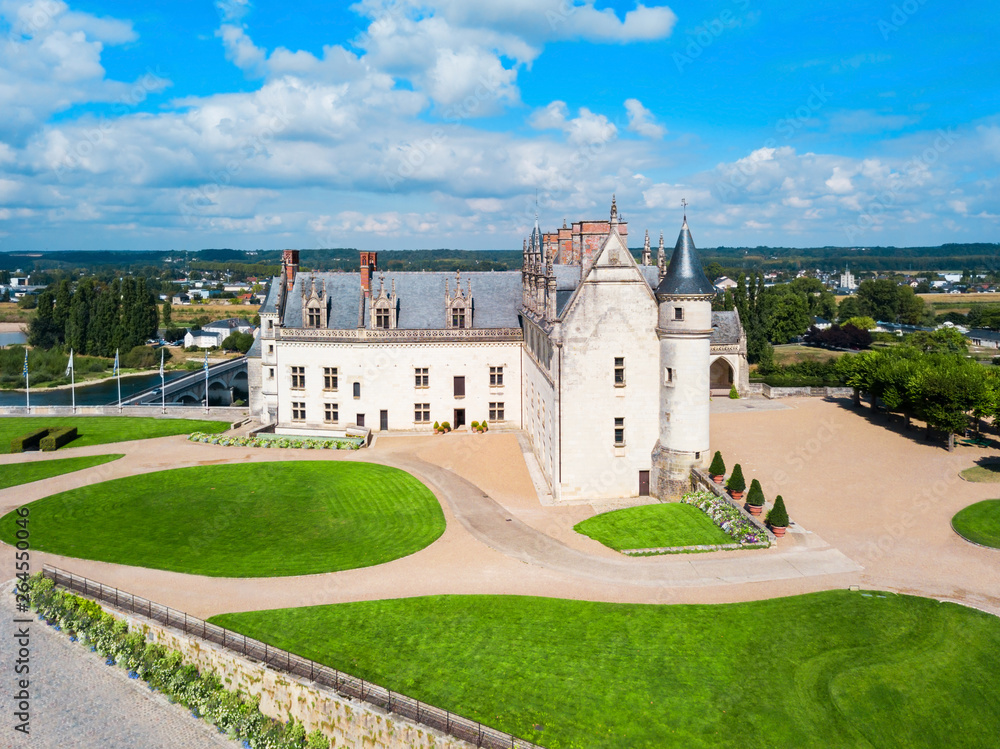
206 361
26 364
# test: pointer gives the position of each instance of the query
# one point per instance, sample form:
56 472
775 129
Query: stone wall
351 724
799 392
215 413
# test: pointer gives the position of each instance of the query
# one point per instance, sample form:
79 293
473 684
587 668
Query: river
105 393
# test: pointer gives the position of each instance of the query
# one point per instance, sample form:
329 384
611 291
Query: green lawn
980 523
25 473
653 526
249 520
833 669
988 471
99 430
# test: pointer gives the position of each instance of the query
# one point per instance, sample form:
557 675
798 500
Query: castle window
313 317
270 373
329 378
678 313
270 348
421 412
496 411
458 317
298 378
619 371
496 377
331 413
421 378
360 420
668 376
298 411
619 431
357 391
382 319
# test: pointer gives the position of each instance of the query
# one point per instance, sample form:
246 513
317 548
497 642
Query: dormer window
382 319
313 317
458 317
458 306
382 310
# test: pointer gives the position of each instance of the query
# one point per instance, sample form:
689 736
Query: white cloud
641 121
584 129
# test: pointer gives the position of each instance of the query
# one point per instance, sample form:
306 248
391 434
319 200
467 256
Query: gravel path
80 703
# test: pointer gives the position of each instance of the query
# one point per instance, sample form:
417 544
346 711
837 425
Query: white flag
161 363
69 367
114 372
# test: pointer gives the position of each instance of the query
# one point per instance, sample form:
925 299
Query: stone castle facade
605 363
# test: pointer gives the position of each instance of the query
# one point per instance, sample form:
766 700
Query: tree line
95 318
932 381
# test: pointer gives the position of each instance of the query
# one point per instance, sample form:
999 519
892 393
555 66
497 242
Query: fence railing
346 685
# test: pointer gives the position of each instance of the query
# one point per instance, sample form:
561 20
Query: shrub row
56 438
29 441
234 713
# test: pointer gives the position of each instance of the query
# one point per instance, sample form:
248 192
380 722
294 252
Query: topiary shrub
736 482
29 441
56 438
437 427
777 516
446 426
718 467
484 427
474 425
755 496
734 393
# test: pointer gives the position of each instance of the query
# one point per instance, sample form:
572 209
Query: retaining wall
217 413
351 724
799 392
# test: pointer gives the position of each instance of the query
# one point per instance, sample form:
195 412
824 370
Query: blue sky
400 124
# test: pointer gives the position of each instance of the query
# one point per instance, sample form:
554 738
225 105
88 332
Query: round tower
684 328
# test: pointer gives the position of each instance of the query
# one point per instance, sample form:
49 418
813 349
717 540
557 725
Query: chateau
606 364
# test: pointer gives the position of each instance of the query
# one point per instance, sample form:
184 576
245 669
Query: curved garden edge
970 541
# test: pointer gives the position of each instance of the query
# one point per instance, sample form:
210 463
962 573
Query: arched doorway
721 377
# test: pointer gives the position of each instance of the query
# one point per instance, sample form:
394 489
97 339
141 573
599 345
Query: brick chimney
369 264
290 267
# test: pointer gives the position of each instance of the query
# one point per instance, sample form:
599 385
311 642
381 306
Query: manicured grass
988 471
653 526
980 523
99 430
25 473
833 669
250 520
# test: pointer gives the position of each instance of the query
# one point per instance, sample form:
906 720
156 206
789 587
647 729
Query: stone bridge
190 390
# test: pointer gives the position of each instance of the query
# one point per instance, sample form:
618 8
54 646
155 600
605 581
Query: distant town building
847 280
213 334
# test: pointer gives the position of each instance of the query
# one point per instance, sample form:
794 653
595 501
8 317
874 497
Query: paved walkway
80 703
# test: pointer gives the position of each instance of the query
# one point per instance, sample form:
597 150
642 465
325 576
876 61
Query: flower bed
729 518
306 443
233 713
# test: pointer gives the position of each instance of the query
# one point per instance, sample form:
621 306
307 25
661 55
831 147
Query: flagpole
118 369
206 382
72 379
27 384
163 387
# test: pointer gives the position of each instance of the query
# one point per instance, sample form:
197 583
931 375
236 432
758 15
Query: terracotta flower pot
717 479
736 495
779 530
755 510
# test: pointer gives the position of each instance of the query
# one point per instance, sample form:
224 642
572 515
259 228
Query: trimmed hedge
778 516
736 481
718 467
28 441
755 496
56 438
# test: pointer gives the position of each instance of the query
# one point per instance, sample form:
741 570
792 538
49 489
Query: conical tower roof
685 276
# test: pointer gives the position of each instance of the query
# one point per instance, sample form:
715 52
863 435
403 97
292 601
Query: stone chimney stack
289 267
369 265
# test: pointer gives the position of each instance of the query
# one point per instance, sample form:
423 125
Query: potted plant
445 426
777 517
718 468
755 498
736 484
734 393
437 428
483 427
474 426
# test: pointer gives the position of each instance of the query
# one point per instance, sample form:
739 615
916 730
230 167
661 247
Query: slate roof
496 298
684 274
270 305
725 327
230 324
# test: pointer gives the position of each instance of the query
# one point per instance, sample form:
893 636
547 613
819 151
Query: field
828 669
793 354
653 526
184 315
980 523
250 520
25 473
100 430
988 471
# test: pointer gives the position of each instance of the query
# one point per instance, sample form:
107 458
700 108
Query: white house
214 333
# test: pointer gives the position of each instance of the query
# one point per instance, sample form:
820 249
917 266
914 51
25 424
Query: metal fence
344 684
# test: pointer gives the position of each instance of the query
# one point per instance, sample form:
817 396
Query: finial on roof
646 242
564 223
614 209
684 205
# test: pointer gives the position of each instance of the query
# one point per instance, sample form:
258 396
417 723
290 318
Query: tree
60 309
946 392
777 516
941 341
879 299
850 307
736 481
786 313
909 307
79 316
718 466
861 323
42 330
755 496
238 342
167 313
